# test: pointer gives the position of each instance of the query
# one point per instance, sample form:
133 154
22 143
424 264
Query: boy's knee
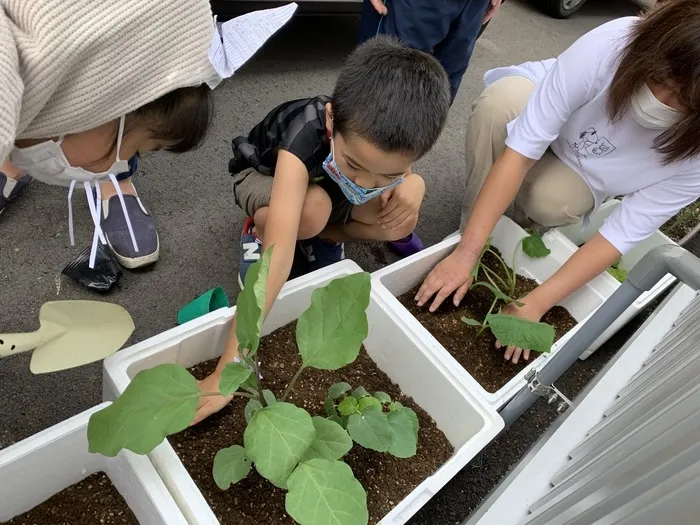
404 230
314 213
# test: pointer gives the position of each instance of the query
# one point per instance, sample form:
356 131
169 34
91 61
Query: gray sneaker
117 232
10 189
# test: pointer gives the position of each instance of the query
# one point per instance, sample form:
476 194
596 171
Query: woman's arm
589 261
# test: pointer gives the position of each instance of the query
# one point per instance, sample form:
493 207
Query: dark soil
478 355
91 501
254 501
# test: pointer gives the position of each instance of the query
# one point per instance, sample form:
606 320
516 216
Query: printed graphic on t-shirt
589 143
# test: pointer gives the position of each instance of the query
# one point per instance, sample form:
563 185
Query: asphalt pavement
190 196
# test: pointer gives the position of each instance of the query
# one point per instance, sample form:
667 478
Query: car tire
561 8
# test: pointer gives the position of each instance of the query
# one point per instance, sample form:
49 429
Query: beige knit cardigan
70 65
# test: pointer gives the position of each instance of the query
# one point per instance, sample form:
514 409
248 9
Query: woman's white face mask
47 163
650 112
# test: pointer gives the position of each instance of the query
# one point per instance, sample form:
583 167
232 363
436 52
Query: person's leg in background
115 227
448 31
12 182
552 194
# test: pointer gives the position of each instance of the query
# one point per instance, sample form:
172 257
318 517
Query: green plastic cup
202 305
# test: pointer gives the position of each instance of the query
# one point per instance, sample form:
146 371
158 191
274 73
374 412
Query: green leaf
326 492
534 246
360 392
338 389
383 397
276 439
368 402
618 273
414 419
230 466
251 406
158 402
336 419
371 429
232 377
404 438
330 332
329 406
393 407
332 441
521 333
250 305
348 406
269 397
471 322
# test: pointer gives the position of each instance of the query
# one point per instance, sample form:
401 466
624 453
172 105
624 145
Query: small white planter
606 283
468 422
402 276
39 467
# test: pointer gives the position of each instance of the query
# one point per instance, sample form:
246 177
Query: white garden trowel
72 333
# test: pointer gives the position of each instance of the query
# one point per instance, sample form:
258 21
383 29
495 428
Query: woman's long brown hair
664 47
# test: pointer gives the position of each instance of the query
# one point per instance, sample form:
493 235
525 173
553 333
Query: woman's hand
209 405
453 274
525 311
401 204
379 6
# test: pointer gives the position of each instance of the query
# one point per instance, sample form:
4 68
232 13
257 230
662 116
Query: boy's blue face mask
357 195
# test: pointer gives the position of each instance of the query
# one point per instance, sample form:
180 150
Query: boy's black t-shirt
298 127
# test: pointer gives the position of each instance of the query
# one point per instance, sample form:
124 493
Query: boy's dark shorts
252 191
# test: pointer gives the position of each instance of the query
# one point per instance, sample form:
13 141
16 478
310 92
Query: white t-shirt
567 112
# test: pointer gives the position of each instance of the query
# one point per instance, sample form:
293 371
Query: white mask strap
95 204
120 136
120 195
70 213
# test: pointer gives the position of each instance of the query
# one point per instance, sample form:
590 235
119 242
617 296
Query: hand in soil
209 405
525 312
452 275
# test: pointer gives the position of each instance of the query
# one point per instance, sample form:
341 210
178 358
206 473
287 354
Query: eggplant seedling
292 449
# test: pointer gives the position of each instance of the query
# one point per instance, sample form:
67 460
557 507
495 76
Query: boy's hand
402 203
209 405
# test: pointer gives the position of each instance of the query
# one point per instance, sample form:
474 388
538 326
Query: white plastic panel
40 466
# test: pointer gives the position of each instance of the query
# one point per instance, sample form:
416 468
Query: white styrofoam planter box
402 276
42 465
606 283
466 419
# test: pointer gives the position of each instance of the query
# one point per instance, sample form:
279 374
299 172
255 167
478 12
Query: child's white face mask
650 112
47 163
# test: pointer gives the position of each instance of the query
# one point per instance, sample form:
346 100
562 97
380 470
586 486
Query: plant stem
515 259
490 274
239 394
485 324
291 383
258 383
505 267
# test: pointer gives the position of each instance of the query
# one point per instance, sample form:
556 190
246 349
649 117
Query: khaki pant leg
497 105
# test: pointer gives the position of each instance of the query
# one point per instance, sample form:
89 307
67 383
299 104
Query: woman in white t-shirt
618 113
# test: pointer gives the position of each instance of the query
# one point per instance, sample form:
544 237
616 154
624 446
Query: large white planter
39 467
402 276
606 283
467 421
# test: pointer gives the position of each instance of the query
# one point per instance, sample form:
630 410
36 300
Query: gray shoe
10 189
117 232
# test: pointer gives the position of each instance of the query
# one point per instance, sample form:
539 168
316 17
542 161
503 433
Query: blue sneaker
11 188
320 253
251 250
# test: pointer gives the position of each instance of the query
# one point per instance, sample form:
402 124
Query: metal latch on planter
551 393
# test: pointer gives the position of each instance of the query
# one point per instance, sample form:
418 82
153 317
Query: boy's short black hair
395 97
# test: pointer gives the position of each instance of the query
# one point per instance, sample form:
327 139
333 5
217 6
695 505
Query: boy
321 171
